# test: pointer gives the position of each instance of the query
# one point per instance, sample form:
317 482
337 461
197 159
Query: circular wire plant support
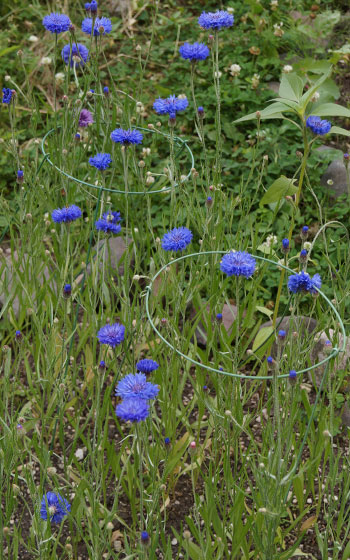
182 144
333 354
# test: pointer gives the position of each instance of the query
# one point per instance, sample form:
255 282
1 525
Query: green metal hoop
334 352
177 140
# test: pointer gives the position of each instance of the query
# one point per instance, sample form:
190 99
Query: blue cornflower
215 20
87 6
146 366
238 263
136 386
269 359
285 244
282 334
57 23
197 51
303 255
302 282
317 125
106 90
170 106
93 6
108 226
134 410
100 161
292 374
102 365
126 137
67 289
200 112
112 216
219 317
77 55
113 335
20 174
54 507
145 538
167 441
18 335
102 26
177 239
6 95
304 229
67 214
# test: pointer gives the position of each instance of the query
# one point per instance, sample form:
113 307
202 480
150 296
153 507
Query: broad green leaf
339 130
291 87
279 189
307 96
291 104
262 337
273 111
331 110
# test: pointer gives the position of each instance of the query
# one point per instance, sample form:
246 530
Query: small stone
334 179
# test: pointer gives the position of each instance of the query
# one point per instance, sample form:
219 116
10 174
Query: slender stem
218 108
126 186
297 200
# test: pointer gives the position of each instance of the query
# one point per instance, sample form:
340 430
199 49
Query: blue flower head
170 106
102 26
197 51
269 359
108 226
67 214
285 243
93 6
100 161
145 538
126 137
6 95
20 174
146 366
238 263
136 386
77 55
54 507
133 410
113 335
302 282
56 23
67 289
317 125
215 20
177 239
112 216
106 90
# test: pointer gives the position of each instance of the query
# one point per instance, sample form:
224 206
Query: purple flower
102 26
113 335
146 366
6 95
54 507
132 410
136 386
126 137
317 125
302 282
57 23
112 216
77 55
215 20
238 263
108 226
85 118
170 106
100 161
67 214
177 239
197 51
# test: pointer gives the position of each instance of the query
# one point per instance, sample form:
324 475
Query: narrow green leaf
339 130
331 110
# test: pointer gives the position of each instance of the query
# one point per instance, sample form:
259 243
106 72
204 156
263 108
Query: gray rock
17 270
120 6
115 250
320 352
336 173
273 86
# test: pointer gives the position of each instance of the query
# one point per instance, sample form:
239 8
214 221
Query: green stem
297 200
